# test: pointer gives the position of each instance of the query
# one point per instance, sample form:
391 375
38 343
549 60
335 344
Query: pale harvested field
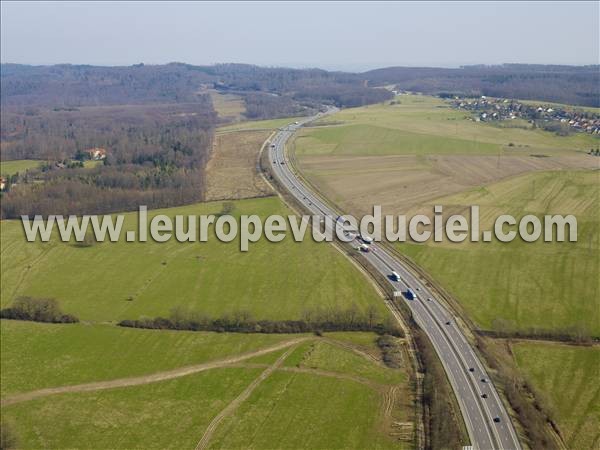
411 156
228 106
231 172
403 184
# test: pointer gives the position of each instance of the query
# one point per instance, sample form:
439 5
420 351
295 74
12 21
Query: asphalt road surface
485 417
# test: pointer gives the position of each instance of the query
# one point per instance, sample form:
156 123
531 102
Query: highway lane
465 371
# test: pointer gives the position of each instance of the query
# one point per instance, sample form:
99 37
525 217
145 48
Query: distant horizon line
357 68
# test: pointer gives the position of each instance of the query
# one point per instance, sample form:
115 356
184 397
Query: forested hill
109 138
575 85
80 85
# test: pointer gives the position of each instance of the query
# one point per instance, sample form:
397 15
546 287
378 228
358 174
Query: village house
96 153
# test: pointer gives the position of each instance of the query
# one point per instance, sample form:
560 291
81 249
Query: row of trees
504 328
37 310
315 320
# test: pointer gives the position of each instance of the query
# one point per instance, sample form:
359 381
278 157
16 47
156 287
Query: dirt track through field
319 372
231 407
145 379
188 370
389 400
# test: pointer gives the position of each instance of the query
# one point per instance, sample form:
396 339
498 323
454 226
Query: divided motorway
485 417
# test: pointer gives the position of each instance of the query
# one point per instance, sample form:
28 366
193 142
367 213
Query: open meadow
403 154
9 168
539 286
167 389
160 389
564 378
38 355
432 117
125 280
418 152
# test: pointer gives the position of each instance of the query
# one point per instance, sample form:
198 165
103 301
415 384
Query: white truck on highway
366 239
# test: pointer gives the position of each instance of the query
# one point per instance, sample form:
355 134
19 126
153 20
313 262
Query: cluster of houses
488 109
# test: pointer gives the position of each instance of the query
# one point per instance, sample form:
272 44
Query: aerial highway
486 419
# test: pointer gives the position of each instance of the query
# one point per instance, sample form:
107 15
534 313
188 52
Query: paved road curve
486 419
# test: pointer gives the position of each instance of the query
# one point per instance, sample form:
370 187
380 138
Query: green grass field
548 286
105 282
565 378
323 395
432 117
368 139
303 411
327 356
36 355
113 281
90 163
17 166
168 414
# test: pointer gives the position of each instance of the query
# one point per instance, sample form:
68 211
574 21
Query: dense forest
575 85
149 128
152 155
78 85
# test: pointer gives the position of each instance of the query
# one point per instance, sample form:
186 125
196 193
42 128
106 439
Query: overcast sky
336 35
